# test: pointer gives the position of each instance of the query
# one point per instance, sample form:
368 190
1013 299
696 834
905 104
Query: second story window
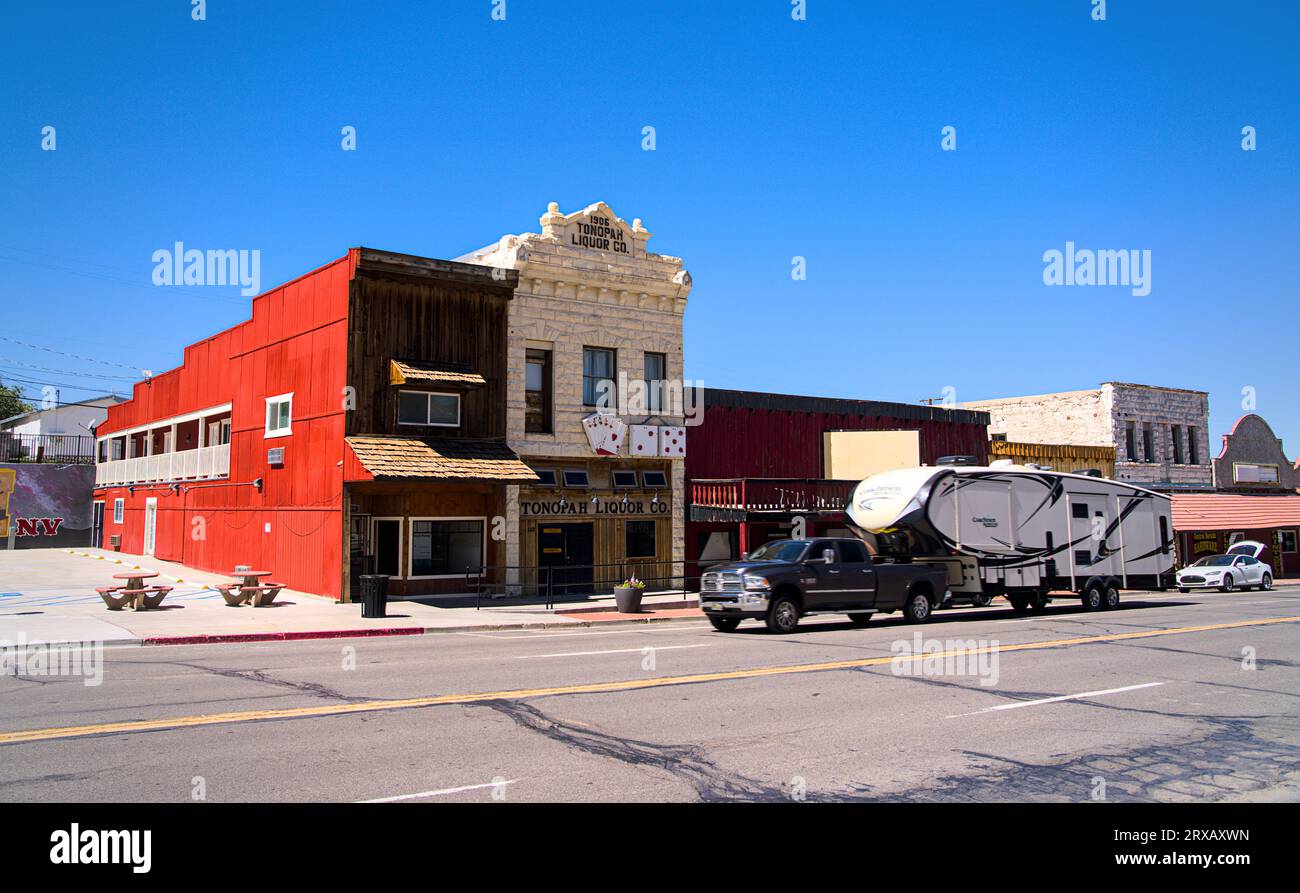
279 415
656 369
537 391
428 408
1130 442
598 378
1193 447
1148 444
1176 436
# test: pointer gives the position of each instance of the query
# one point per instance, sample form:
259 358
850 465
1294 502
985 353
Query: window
537 391
576 477
1079 510
598 378
1251 473
546 477
652 479
1148 444
656 366
446 547
853 553
1235 537
279 415
1176 435
624 479
1287 541
218 433
428 408
1193 446
640 537
119 510
117 448
1164 535
1130 442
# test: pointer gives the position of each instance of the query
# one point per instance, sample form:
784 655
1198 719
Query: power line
74 356
118 281
8 363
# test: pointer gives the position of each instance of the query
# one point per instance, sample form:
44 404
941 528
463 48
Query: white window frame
1295 539
410 545
119 510
427 395
564 478
613 481
278 432
555 482
650 486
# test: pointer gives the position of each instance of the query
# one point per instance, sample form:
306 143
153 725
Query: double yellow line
211 719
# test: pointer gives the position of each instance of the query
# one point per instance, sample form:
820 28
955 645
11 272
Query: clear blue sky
775 138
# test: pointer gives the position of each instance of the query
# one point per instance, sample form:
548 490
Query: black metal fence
55 449
507 583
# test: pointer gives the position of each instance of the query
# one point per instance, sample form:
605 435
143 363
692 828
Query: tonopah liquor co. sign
600 233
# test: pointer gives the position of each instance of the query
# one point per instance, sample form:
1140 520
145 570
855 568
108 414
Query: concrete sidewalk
48 595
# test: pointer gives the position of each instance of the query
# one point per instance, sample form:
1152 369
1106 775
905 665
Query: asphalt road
1170 698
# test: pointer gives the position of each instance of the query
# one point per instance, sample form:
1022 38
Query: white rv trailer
1020 531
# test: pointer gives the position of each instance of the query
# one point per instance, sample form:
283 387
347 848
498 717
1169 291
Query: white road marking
468 787
625 631
614 651
1087 694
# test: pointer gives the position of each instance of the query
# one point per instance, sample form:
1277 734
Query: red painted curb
285 637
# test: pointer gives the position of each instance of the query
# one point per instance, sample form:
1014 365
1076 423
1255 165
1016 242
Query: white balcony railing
188 465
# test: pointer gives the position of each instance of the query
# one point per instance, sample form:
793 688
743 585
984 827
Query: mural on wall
45 505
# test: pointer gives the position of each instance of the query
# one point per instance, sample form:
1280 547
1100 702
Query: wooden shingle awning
411 459
1231 511
421 372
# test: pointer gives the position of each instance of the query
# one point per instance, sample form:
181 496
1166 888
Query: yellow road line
184 722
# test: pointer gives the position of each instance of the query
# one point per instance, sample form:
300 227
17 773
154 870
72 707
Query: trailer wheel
1019 603
982 601
1110 598
1093 597
1038 602
917 609
725 624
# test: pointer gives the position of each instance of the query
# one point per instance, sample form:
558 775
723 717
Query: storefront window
446 547
423 408
640 539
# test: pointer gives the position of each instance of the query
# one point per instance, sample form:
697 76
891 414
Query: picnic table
250 589
133 592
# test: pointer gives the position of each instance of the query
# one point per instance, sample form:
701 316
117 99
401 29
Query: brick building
1159 434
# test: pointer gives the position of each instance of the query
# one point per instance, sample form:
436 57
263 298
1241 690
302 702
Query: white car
1239 568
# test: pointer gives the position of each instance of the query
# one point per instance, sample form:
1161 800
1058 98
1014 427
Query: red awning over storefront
1230 511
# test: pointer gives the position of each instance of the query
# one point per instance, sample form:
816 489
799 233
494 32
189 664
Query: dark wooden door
568 550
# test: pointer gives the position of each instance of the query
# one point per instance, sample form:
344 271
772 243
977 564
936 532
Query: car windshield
779 550
1214 561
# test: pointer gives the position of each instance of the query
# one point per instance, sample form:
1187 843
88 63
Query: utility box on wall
275 457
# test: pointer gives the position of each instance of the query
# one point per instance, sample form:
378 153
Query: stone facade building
592 305
1159 434
1253 461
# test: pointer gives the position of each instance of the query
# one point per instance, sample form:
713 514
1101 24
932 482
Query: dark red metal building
755 463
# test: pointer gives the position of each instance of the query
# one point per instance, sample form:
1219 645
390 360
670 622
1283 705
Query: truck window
852 553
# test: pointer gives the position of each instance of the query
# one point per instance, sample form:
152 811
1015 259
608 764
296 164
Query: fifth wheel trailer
1020 531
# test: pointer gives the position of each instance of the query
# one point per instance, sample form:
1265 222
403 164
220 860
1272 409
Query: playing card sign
672 441
644 440
605 433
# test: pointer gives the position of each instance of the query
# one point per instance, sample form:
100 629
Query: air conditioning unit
275 457
115 541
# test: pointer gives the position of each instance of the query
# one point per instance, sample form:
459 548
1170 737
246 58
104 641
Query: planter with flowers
628 595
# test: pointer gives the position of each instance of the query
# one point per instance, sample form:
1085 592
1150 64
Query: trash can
374 595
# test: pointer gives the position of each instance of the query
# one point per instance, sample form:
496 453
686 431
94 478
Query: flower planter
628 599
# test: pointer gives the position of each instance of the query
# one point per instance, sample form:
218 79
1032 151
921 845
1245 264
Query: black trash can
374 595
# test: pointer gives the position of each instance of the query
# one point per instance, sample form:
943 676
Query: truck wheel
859 619
1184 590
783 615
1110 598
725 624
1019 603
917 609
1093 597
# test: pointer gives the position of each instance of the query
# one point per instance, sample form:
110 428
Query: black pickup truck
783 580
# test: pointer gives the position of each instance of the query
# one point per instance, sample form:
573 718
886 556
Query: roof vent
957 460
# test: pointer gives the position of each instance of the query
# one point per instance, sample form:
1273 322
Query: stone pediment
595 228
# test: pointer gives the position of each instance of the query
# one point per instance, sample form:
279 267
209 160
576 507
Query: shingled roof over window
421 372
408 458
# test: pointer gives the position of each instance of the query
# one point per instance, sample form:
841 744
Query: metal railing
505 583
55 449
772 494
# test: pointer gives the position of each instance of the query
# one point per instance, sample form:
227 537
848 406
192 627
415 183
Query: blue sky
775 139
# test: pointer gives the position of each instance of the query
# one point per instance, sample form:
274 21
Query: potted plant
628 595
